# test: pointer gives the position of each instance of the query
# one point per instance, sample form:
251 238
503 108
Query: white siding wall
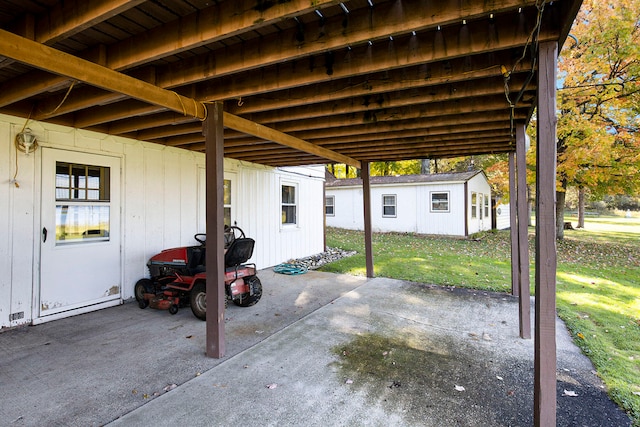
442 223
258 212
413 206
482 222
160 207
405 220
503 216
348 208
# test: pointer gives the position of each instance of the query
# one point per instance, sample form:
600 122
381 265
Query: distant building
452 204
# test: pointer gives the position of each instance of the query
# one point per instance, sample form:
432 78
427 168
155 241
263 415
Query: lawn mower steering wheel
229 231
201 238
232 229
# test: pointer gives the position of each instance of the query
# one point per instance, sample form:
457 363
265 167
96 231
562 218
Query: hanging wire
15 175
532 41
66 95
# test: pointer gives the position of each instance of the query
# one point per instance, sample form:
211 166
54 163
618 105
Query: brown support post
524 292
368 234
544 413
214 142
513 227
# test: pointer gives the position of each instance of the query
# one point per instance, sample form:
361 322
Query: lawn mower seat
196 261
238 252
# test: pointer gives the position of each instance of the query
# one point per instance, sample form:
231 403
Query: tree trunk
560 196
435 164
529 206
580 207
425 167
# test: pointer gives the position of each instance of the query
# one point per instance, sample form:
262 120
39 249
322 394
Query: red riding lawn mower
178 276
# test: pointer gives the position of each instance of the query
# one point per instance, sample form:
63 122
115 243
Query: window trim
332 205
295 204
75 212
486 205
432 209
474 205
395 206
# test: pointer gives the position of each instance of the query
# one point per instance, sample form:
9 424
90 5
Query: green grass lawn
598 284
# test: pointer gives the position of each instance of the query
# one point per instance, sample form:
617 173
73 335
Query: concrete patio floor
286 363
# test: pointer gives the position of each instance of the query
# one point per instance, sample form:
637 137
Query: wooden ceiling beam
451 95
451 121
346 130
67 18
424 48
407 131
302 127
401 153
40 56
360 60
165 40
364 25
373 143
448 145
332 115
421 77
217 22
417 77
129 126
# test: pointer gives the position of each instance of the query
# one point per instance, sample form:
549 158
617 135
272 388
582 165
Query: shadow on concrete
290 360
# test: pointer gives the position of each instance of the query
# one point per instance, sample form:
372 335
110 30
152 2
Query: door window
82 203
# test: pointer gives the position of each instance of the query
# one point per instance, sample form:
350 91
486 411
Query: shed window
329 205
388 205
440 202
474 205
289 205
486 206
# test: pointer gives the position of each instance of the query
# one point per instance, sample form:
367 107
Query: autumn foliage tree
599 102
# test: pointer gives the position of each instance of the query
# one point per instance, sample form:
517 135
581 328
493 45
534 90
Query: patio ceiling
362 80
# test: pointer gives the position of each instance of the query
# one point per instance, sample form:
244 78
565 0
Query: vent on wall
16 316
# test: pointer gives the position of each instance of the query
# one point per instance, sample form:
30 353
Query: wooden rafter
43 57
364 60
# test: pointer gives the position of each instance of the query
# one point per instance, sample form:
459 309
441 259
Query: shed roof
333 182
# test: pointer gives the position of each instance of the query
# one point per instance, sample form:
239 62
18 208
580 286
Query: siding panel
161 207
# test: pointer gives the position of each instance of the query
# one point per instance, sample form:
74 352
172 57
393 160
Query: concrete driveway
318 349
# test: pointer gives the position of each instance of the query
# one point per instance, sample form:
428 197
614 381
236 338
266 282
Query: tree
599 103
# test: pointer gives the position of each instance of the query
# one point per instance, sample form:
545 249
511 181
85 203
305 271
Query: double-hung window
440 201
486 206
329 206
474 205
289 204
388 205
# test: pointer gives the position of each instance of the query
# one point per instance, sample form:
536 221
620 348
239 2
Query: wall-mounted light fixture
26 141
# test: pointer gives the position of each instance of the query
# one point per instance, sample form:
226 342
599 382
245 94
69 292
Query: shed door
80 234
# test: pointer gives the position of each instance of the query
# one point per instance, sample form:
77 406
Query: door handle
44 234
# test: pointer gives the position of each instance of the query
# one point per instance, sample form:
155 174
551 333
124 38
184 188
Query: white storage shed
453 204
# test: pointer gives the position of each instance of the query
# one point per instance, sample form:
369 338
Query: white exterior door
80 262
